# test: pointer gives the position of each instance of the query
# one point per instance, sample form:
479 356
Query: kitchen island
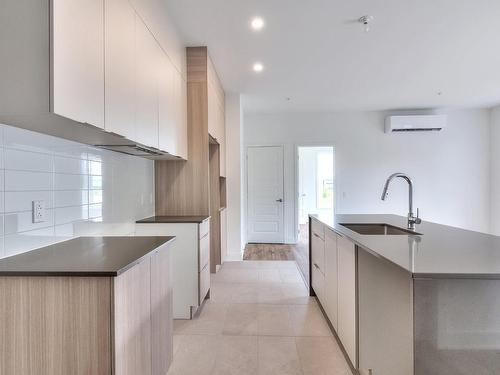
90 305
422 302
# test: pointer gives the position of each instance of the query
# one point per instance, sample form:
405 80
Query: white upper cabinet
78 60
147 57
172 106
216 114
120 68
182 135
166 106
180 114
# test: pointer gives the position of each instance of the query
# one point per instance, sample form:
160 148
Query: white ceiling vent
414 123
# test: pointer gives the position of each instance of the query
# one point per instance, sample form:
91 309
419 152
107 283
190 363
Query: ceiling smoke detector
366 20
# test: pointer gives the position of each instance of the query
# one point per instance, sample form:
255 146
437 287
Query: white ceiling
318 55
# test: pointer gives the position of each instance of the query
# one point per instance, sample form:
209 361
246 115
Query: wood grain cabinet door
161 311
132 324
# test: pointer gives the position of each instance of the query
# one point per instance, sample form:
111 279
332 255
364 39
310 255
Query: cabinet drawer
204 278
204 255
204 228
318 252
318 228
318 284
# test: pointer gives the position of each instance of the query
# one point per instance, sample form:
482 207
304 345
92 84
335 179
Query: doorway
316 181
265 216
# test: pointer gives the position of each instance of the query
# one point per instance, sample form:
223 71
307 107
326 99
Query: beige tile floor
259 321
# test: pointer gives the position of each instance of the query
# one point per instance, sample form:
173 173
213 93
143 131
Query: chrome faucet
412 219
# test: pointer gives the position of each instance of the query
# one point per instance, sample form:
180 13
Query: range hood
61 127
139 150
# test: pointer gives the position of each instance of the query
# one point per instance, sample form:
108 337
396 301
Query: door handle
279 200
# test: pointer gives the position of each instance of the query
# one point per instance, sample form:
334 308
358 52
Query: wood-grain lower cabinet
58 325
161 307
132 320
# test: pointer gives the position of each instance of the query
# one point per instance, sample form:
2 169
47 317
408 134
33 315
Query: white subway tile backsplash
71 198
95 168
95 182
22 242
86 191
66 215
77 228
28 181
95 211
17 201
62 147
23 222
95 196
70 182
70 165
28 161
21 139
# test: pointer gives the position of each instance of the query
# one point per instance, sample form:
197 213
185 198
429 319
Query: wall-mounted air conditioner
414 123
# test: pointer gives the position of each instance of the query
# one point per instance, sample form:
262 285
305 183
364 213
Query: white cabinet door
120 68
331 275
182 137
347 296
180 114
318 284
78 60
318 252
148 57
166 106
318 267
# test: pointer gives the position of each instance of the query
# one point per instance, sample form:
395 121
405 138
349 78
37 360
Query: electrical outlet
38 211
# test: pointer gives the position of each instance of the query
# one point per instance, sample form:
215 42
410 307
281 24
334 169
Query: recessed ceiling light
258 67
257 23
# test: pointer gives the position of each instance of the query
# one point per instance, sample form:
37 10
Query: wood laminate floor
260 320
298 252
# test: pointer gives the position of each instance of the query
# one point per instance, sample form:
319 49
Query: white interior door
265 194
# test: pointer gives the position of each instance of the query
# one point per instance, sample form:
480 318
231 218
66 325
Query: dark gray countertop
83 256
173 219
441 250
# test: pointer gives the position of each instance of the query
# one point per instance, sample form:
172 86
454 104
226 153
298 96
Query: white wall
495 170
235 227
86 191
450 169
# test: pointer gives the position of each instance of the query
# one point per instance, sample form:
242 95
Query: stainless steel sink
378 229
